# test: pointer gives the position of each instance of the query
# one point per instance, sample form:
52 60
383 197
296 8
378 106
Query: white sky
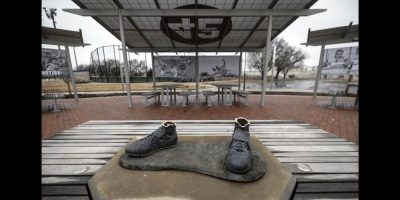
339 13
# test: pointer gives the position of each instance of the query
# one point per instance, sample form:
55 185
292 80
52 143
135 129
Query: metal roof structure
195 25
62 37
337 35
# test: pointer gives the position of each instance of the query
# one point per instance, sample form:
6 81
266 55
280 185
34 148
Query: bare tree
256 61
287 58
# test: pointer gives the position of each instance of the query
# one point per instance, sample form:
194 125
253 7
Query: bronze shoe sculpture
162 138
239 154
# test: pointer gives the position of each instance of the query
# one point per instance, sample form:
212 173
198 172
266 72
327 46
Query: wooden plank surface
325 166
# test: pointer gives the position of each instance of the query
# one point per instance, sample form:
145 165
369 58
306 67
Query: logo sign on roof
183 29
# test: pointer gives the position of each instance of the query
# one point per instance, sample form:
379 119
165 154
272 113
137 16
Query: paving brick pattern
342 121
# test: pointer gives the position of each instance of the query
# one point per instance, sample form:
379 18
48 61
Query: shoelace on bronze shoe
151 137
239 145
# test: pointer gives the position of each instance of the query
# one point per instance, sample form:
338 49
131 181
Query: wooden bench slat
73 170
67 180
64 190
327 187
322 154
51 141
326 177
317 159
52 161
326 196
314 148
80 149
65 197
86 144
312 168
77 155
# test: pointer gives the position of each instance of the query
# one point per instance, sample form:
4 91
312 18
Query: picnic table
54 97
325 166
225 87
168 92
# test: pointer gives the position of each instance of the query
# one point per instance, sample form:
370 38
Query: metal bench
149 95
243 94
207 94
185 97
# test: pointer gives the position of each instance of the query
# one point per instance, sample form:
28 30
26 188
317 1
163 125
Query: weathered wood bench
150 95
325 166
208 94
185 97
242 94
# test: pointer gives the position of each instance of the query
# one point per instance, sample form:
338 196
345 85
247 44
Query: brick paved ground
342 122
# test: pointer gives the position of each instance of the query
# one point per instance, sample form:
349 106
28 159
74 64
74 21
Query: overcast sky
339 13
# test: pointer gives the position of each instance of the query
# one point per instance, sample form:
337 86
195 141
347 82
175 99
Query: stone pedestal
115 182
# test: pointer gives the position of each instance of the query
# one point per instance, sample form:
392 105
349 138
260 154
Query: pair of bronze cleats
238 159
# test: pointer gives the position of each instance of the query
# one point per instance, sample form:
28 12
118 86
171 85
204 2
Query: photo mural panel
219 66
54 63
181 68
341 61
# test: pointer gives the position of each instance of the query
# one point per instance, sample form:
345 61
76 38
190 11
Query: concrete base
115 182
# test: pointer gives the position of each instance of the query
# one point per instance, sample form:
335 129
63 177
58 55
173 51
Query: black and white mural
54 63
211 67
340 61
182 68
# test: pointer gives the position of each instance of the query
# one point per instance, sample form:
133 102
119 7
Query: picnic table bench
325 166
242 94
151 95
56 107
208 94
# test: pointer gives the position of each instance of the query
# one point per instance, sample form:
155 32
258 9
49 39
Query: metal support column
197 75
321 59
76 61
267 58
71 73
272 68
240 68
128 82
153 70
244 74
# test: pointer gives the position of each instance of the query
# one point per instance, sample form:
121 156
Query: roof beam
132 23
80 4
261 29
271 6
347 29
194 12
193 49
166 25
225 25
308 5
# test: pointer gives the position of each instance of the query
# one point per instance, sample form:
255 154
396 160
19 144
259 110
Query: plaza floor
342 121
